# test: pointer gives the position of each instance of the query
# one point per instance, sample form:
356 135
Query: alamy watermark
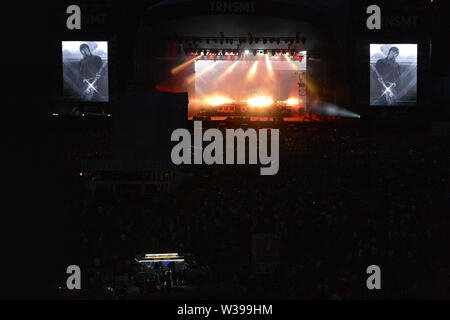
214 153
374 280
74 280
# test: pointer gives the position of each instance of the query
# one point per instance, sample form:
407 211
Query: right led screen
393 74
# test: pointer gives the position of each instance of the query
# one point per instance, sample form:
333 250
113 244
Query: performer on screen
91 67
387 72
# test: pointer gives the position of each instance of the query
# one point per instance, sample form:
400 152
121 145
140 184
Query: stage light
199 74
269 65
255 52
259 102
217 100
278 40
246 51
159 255
252 70
183 65
228 70
264 40
333 110
292 101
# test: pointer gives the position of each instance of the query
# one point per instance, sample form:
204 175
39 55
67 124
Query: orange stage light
184 65
259 102
217 100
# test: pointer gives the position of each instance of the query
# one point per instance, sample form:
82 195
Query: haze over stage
243 80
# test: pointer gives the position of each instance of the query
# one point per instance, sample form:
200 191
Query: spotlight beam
269 65
291 62
332 110
228 70
183 65
252 70
197 75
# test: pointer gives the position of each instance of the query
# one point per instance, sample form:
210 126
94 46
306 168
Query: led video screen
85 70
260 83
393 74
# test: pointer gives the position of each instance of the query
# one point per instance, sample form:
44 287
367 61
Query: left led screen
85 70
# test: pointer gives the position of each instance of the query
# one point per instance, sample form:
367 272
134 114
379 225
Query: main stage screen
393 74
85 70
260 83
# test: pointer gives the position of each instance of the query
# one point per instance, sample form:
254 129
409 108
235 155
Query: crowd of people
339 203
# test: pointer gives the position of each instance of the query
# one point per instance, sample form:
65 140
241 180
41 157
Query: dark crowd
339 203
